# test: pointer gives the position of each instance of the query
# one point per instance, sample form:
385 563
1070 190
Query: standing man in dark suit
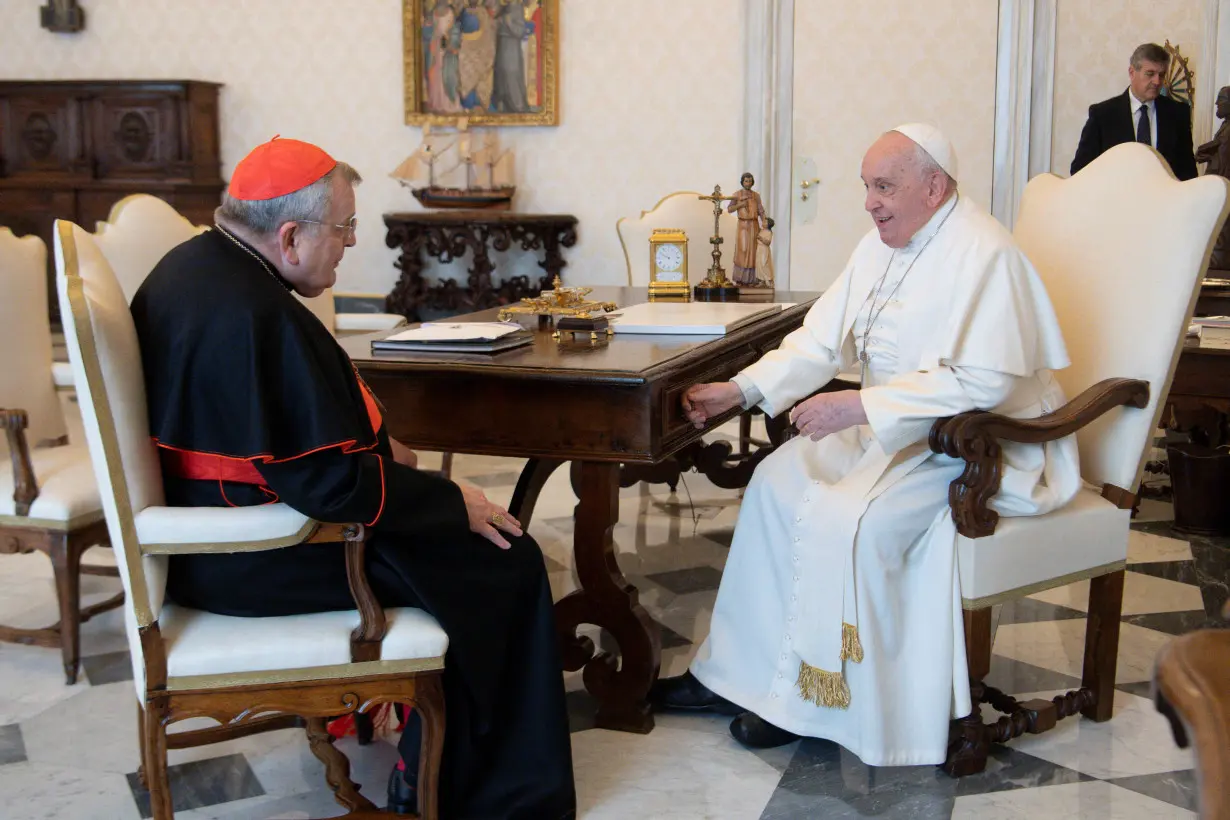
1141 114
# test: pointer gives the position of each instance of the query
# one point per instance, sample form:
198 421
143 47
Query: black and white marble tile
71 751
203 783
12 747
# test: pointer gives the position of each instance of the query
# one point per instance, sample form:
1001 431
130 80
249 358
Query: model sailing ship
446 171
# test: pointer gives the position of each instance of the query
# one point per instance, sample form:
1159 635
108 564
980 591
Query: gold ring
497 519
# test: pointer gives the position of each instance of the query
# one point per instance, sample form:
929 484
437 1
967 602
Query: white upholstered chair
248 674
681 210
141 229
1122 248
48 499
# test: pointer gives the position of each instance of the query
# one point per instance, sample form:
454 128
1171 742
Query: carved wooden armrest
25 485
974 438
366 637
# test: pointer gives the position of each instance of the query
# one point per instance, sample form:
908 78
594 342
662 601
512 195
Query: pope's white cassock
839 612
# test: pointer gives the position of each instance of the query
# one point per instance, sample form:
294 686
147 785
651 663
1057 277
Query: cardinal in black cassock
252 401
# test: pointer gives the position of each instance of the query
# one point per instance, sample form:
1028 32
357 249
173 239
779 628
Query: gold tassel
823 688
830 688
851 646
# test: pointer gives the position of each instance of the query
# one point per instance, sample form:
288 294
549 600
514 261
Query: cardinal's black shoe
403 797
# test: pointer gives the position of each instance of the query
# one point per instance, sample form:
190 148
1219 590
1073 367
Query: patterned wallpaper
1094 40
862 68
650 101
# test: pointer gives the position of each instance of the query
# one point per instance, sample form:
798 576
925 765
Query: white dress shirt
1136 106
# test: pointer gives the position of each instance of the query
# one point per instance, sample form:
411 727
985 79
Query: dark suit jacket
1110 123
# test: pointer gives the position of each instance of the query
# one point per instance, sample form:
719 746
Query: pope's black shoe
403 797
685 692
755 732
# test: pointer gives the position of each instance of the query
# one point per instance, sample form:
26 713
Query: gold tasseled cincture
851 646
829 688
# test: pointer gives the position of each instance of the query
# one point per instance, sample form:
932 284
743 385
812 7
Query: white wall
649 100
1094 40
861 69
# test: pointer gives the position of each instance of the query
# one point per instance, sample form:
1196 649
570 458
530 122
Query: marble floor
70 751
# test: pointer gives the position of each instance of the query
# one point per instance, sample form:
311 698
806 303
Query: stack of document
1212 321
689 318
457 337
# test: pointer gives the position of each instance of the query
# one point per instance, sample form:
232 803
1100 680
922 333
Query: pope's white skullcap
933 141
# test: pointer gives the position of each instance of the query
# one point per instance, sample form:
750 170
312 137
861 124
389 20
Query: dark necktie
1142 127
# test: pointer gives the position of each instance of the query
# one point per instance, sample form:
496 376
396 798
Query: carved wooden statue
1216 152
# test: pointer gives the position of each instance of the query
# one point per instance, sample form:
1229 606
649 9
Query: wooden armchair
248 674
1191 687
48 501
1122 249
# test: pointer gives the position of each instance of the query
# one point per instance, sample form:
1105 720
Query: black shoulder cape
236 366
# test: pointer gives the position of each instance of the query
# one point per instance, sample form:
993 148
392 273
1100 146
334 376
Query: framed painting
491 62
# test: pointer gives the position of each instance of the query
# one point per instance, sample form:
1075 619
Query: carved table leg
553 238
609 601
479 285
410 291
529 485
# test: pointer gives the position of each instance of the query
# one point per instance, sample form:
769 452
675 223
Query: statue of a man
747 206
1216 152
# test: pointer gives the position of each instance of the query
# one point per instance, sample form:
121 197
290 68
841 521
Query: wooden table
448 235
1214 297
1200 393
597 406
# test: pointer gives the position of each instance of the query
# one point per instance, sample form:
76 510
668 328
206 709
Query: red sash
209 467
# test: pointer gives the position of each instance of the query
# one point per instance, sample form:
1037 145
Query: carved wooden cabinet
72 149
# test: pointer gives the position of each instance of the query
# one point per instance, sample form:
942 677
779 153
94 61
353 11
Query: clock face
668 258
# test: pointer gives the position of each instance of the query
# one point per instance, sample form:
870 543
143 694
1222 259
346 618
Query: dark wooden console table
72 149
600 407
447 235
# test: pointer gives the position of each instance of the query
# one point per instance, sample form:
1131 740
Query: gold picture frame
431 94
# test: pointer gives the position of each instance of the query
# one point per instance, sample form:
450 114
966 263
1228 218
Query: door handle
805 184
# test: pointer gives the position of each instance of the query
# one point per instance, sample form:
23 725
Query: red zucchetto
277 168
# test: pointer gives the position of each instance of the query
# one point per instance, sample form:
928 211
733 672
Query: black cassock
236 366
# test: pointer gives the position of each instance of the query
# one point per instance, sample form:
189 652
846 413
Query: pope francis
839 613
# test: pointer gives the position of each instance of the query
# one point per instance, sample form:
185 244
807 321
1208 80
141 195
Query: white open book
689 318
455 332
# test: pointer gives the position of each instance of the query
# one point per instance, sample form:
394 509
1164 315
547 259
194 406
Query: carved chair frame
63 545
248 703
974 438
245 709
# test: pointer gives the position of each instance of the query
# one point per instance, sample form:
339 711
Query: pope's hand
828 413
702 402
486 518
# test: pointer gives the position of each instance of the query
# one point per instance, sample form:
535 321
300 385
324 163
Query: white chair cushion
67 493
201 643
62 374
231 529
366 322
1030 553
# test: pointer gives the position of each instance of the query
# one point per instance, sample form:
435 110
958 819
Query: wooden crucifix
63 16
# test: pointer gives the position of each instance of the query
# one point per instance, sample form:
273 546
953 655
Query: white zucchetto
933 141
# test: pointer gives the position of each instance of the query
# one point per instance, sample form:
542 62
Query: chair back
139 231
106 361
25 338
322 306
694 217
1122 248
